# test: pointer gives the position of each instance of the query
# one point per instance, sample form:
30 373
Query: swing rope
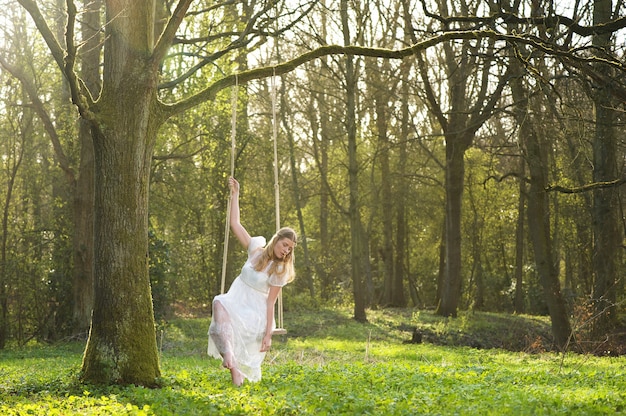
233 134
279 324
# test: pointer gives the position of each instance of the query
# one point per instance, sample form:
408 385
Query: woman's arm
235 221
271 301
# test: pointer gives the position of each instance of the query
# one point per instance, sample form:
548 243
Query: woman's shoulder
255 243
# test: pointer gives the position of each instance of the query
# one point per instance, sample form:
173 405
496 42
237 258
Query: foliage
328 364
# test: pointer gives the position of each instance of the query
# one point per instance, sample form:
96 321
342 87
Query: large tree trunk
122 341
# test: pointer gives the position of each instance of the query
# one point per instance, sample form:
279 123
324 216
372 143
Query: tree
459 122
605 211
358 238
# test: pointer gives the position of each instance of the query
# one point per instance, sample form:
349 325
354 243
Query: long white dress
246 309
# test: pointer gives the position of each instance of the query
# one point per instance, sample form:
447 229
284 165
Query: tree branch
586 188
210 92
64 59
166 38
550 22
80 93
55 48
43 116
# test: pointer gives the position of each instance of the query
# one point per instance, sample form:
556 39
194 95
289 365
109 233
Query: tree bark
539 229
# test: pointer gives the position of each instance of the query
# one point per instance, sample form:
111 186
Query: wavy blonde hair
279 267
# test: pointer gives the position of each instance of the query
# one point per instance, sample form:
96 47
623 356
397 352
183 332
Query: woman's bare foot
228 361
237 376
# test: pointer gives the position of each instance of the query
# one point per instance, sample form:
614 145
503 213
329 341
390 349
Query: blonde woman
243 318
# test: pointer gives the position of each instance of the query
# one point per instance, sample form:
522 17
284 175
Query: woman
243 318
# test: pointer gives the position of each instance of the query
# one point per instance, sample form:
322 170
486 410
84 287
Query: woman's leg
221 332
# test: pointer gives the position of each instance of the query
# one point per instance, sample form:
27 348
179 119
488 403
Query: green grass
330 365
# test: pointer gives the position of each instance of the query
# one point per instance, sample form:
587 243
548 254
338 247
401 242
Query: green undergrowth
328 364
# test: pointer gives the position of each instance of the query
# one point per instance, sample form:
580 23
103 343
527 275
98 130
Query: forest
442 155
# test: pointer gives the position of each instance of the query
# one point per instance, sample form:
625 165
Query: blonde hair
279 267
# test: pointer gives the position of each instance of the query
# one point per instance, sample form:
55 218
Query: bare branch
44 116
243 39
586 188
55 47
80 93
166 38
210 92
550 22
64 59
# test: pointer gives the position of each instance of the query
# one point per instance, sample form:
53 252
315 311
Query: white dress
246 307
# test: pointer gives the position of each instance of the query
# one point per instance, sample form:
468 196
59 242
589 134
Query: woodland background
482 172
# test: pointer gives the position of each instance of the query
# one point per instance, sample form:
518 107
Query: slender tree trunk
320 133
477 301
357 235
538 213
539 229
308 275
391 297
401 270
83 241
519 241
442 265
536 151
605 214
16 160
459 123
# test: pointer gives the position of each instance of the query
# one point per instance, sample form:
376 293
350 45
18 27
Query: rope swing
233 133
233 146
279 321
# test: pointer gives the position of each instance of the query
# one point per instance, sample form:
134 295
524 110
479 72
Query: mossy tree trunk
122 340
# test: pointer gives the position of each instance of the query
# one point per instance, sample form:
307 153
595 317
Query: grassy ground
330 365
